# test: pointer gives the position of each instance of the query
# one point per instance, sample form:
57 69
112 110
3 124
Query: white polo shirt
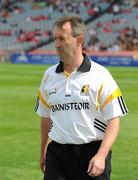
79 104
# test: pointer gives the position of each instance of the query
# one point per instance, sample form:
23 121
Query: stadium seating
25 26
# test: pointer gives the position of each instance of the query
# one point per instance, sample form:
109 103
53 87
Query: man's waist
92 143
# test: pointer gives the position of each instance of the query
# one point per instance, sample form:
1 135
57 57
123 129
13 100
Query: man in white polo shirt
80 106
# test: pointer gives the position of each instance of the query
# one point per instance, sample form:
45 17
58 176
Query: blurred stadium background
26 27
26 40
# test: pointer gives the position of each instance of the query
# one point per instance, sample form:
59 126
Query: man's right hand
45 125
42 163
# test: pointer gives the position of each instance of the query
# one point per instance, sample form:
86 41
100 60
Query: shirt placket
68 87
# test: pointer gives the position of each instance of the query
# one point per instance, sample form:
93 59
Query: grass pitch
19 125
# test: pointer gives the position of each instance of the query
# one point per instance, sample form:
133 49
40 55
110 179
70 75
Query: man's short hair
77 24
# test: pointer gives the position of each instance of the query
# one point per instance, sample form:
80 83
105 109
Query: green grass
19 125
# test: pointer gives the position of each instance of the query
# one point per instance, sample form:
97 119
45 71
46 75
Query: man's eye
60 39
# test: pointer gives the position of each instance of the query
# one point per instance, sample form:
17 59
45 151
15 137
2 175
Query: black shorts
70 162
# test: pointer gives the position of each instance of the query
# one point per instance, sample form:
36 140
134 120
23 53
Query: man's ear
80 40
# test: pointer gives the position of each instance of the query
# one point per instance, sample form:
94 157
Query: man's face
65 43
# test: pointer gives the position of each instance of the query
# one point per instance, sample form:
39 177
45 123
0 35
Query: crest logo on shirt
85 89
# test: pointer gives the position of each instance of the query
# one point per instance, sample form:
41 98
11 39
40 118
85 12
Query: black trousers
70 162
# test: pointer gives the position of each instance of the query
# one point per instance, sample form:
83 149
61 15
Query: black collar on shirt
84 67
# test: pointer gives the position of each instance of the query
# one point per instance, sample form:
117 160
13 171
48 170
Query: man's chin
60 57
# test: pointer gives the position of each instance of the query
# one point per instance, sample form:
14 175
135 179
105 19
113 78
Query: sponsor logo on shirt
70 106
54 91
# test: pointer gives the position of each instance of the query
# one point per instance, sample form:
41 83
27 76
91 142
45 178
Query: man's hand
42 163
96 165
45 125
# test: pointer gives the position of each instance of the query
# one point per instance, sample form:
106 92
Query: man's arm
45 125
97 163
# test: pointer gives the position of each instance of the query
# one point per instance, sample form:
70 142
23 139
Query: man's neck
77 61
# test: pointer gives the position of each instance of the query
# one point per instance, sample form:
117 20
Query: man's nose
57 44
